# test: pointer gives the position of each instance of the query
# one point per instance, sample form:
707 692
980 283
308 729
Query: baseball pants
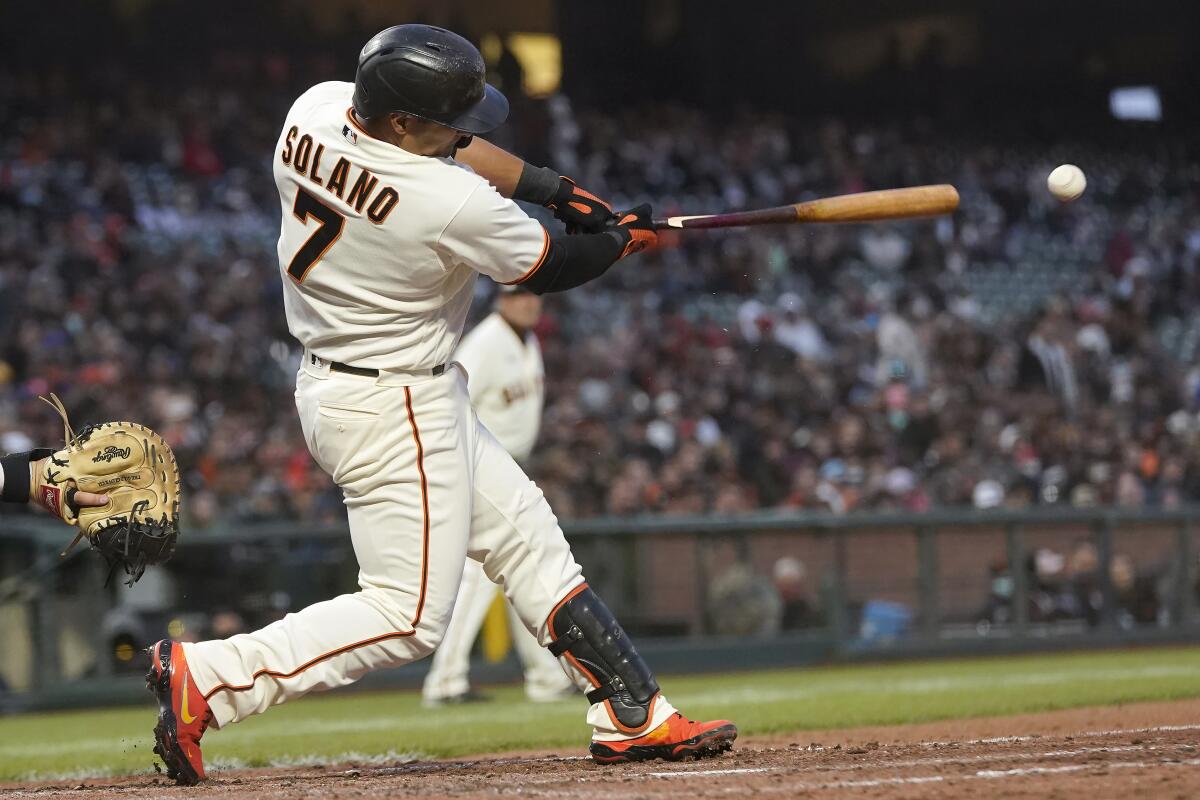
449 673
425 486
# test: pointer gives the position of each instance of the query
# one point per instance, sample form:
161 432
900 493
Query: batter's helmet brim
485 116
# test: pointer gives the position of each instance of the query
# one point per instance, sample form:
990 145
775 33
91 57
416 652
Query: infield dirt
1146 750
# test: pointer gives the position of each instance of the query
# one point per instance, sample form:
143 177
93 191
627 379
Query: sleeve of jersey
492 235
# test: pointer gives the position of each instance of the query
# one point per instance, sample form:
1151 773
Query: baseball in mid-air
1066 182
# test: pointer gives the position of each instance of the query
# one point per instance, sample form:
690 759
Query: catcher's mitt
136 469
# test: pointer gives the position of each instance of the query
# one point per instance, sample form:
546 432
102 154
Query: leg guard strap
587 634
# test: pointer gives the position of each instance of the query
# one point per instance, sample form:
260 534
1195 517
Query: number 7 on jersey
328 230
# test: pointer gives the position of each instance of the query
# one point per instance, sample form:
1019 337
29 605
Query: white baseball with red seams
380 249
1066 182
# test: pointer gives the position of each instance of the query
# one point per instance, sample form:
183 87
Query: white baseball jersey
380 247
506 379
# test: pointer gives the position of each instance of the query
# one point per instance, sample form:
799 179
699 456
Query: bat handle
659 223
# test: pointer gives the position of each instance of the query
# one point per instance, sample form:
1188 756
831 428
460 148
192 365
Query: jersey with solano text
379 248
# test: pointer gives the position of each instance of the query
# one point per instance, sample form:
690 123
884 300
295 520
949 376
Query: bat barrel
915 201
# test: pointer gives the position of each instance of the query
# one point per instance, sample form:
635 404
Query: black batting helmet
430 73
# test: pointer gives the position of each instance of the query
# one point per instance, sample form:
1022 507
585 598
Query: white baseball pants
425 486
449 672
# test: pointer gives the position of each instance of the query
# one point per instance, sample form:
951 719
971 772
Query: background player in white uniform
505 377
383 235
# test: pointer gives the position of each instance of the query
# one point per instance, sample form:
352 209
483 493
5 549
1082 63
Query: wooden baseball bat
916 201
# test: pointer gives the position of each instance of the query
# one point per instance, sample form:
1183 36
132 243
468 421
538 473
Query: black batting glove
581 210
636 229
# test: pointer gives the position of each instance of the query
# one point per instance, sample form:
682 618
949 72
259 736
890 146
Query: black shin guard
585 631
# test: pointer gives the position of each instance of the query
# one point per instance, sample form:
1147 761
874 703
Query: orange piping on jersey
354 121
385 636
537 264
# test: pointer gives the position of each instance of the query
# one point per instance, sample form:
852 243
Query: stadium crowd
835 368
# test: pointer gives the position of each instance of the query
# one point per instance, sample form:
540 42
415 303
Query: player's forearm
543 186
497 166
513 178
574 260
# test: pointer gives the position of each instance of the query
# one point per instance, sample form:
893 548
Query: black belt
337 366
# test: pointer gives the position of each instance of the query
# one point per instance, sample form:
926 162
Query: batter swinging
390 210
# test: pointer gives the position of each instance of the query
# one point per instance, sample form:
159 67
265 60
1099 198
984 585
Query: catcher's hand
131 471
90 499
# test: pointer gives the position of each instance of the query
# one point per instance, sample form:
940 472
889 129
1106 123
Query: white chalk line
795 789
883 782
366 763
987 774
930 762
700 773
923 762
819 748
995 774
1081 735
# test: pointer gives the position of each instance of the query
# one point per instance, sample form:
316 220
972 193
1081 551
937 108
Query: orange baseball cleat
677 739
183 713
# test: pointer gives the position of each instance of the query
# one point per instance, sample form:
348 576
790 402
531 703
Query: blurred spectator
789 577
1069 588
743 603
1022 353
225 623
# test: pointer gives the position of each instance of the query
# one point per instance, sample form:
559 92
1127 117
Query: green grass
324 727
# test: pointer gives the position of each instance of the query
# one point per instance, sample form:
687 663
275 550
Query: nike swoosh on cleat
188 719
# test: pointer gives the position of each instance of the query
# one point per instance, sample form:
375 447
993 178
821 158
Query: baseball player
390 211
504 369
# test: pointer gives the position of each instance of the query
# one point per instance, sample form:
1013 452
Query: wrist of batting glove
579 209
636 228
